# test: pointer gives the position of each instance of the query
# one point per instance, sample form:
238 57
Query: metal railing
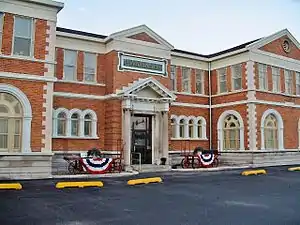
139 159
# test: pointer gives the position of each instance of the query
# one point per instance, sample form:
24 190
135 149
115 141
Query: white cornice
22 76
80 37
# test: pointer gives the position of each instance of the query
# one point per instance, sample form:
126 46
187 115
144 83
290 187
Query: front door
141 129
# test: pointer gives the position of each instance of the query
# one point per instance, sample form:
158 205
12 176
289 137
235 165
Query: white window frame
69 65
31 55
173 76
236 76
186 79
81 114
288 79
199 79
276 75
297 74
95 67
222 71
1 28
263 76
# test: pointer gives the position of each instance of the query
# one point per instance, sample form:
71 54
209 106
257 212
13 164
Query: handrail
140 159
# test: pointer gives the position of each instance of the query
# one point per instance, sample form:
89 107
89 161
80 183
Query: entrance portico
145 109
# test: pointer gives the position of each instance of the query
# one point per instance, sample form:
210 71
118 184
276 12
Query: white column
157 138
165 136
126 136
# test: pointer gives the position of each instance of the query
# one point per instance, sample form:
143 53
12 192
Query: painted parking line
145 181
81 184
7 186
253 172
294 169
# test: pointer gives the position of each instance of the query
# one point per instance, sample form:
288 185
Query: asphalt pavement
209 198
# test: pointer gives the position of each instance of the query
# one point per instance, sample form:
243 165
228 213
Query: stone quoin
66 91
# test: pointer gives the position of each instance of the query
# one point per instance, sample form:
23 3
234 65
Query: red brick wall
59 63
179 78
276 48
40 39
79 88
290 117
80 63
97 106
181 145
34 92
22 66
192 99
8 27
230 97
143 37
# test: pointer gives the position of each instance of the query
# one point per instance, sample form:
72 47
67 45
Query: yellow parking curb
16 186
145 181
79 184
294 169
253 172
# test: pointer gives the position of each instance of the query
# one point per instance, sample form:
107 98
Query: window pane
87 128
23 27
22 46
222 80
3 141
70 57
173 78
69 73
61 126
3 109
3 125
186 79
262 73
237 84
199 81
89 77
90 60
87 116
191 131
74 127
17 126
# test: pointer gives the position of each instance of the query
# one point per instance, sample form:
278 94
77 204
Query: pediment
142 34
282 43
148 88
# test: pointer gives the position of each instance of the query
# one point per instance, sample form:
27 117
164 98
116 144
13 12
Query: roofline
51 3
82 33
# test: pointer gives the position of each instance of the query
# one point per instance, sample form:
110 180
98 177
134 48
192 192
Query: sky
202 26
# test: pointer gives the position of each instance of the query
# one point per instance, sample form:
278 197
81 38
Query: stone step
151 168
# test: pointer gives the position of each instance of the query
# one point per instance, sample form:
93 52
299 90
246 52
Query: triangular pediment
148 88
142 34
282 43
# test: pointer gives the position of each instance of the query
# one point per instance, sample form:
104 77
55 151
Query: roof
241 46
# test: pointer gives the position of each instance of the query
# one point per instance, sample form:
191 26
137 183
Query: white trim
26 58
230 93
26 77
80 37
183 104
51 3
75 95
81 82
190 94
280 128
75 137
27 114
220 128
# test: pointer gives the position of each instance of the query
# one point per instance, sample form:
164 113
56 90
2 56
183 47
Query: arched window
61 124
231 133
199 129
173 127
181 128
271 132
87 125
11 118
191 128
75 124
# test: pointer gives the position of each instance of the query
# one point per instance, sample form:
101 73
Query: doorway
141 140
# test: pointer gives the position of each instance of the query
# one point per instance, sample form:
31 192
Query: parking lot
183 198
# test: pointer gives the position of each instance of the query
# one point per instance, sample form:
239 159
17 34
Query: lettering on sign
142 64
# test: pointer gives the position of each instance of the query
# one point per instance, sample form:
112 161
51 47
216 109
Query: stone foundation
25 166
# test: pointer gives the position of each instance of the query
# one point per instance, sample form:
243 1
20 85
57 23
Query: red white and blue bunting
206 159
96 165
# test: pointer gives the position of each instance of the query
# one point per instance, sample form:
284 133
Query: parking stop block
16 186
294 169
253 172
81 184
145 181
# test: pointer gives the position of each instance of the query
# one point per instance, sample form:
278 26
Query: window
276 79
236 77
181 128
90 65
199 81
23 30
231 131
297 83
186 79
199 129
222 80
191 128
1 28
88 125
173 78
288 81
75 125
10 123
271 132
263 77
173 127
61 124
70 60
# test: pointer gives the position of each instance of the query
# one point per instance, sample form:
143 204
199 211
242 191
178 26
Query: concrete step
151 168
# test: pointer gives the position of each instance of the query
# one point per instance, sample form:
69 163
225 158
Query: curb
145 181
212 169
107 175
253 172
6 186
83 184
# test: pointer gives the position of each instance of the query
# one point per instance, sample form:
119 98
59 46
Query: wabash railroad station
132 92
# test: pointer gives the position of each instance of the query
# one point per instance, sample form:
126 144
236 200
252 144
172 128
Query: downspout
210 116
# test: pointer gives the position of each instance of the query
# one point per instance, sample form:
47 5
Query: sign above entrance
142 64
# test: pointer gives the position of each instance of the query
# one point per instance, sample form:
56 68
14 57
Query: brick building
66 91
